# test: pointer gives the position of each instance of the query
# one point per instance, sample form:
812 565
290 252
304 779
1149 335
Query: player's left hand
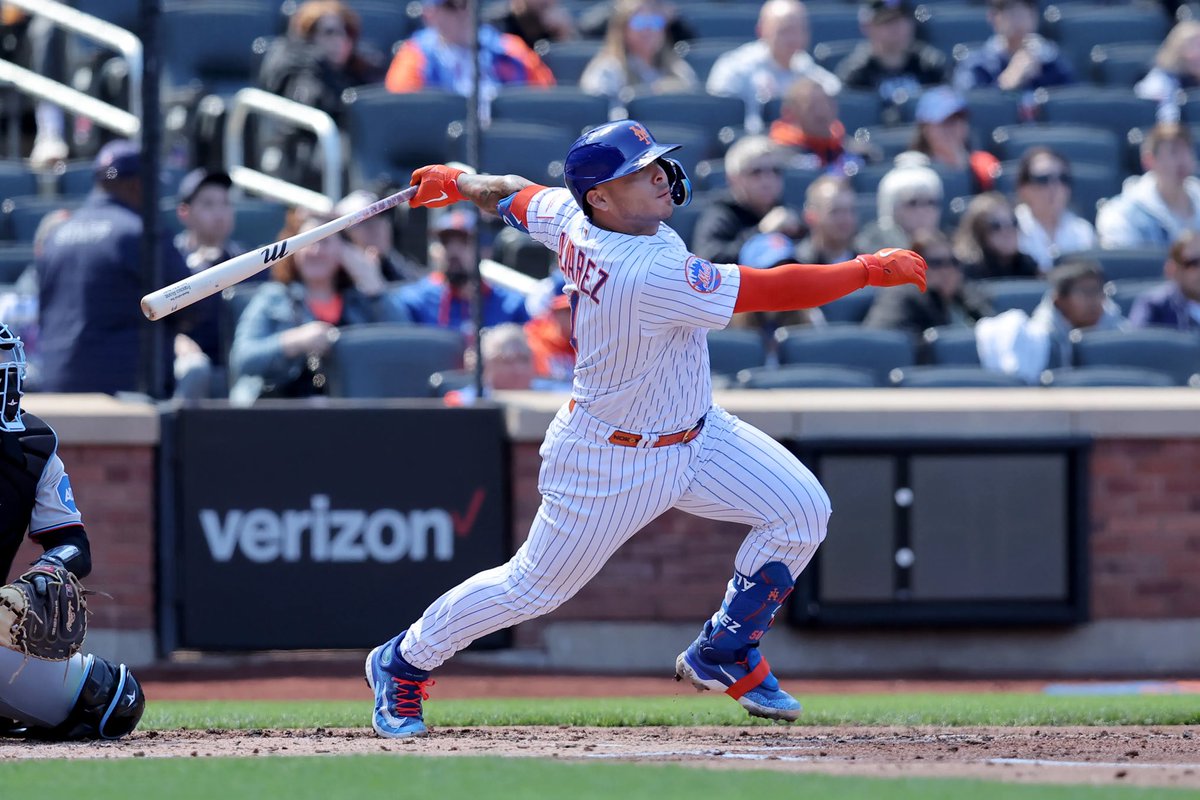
894 267
439 186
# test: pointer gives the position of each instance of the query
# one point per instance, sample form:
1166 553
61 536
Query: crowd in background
945 194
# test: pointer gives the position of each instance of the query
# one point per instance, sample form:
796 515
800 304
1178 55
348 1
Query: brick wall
1145 518
114 489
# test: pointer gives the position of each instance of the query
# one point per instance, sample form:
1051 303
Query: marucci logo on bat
275 252
322 534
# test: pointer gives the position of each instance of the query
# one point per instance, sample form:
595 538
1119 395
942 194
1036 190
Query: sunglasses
996 225
917 202
1190 263
647 22
756 171
1050 178
324 32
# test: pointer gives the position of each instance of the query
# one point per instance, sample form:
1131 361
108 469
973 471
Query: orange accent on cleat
750 680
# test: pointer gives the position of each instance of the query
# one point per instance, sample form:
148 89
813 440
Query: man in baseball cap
891 60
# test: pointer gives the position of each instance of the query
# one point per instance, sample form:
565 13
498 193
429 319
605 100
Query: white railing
329 141
129 47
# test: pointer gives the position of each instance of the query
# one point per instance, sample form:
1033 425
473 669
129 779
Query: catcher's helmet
12 376
617 149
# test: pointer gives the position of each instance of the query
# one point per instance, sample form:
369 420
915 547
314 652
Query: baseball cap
197 179
118 159
939 104
884 10
456 220
766 250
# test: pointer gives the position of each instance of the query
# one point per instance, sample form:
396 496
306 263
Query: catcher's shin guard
109 706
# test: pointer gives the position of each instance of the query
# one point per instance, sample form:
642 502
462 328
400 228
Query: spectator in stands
1176 67
891 61
318 60
549 337
831 215
765 68
1019 344
437 56
909 201
808 127
293 320
1047 228
987 242
636 56
764 251
943 134
90 283
593 21
508 365
532 21
374 238
443 298
1176 303
752 204
206 212
36 43
949 299
19 302
1154 208
1016 58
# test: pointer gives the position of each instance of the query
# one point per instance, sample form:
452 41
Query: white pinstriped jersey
641 309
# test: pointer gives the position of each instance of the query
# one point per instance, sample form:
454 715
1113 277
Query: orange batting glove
894 267
439 186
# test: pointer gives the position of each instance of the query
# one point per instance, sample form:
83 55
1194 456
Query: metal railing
129 47
328 140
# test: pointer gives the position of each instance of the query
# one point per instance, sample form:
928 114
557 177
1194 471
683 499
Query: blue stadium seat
16 179
1176 353
948 25
891 142
950 345
376 149
520 252
696 143
877 350
257 222
1072 377
832 22
721 21
936 376
850 308
564 106
233 302
806 376
1079 28
1005 294
709 175
1115 109
383 25
989 109
734 349
689 108
701 54
14 260
76 178
532 151
795 183
450 380
858 108
683 222
830 54
1133 264
23 214
1122 64
1078 143
390 360
1125 292
210 45
568 60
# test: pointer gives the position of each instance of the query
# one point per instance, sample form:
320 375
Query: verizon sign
386 508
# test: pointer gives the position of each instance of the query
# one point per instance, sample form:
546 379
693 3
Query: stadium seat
701 54
683 221
377 118
233 302
1122 64
383 26
390 360
450 380
877 350
952 345
568 60
689 108
832 22
1079 28
125 14
564 106
805 376
850 308
76 178
989 109
16 179
1134 264
830 54
23 214
1125 292
1090 183
734 349
936 376
891 142
532 151
1077 143
945 26
14 260
517 250
709 175
1005 294
795 183
1176 353
257 222
721 21
696 144
210 46
1071 377
858 109
1115 109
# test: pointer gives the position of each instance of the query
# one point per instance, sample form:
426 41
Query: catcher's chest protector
23 457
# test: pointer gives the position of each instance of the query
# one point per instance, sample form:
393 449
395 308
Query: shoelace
409 695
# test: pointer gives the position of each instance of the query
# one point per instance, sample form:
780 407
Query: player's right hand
439 186
894 267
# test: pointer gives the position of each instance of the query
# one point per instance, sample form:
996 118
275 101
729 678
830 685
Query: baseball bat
195 288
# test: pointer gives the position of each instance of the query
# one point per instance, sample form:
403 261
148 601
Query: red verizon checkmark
464 523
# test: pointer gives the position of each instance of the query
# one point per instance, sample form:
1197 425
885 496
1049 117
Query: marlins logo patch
66 494
702 275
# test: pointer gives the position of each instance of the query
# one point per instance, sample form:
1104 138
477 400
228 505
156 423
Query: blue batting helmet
617 149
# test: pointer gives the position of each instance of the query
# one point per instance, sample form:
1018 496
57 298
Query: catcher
48 689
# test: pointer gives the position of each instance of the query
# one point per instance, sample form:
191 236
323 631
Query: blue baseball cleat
399 689
745 676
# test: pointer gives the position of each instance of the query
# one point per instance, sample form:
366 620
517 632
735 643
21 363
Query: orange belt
666 440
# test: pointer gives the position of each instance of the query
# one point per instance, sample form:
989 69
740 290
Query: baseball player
81 696
641 433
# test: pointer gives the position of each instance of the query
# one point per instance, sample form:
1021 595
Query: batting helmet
617 149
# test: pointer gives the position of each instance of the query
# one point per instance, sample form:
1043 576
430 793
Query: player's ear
597 198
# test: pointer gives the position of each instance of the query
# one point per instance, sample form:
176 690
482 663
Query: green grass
708 709
322 778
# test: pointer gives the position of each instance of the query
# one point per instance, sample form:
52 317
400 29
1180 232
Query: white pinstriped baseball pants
595 495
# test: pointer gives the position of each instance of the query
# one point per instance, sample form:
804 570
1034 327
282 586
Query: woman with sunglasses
637 56
1048 229
986 241
908 202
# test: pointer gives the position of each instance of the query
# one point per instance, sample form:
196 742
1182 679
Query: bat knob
148 311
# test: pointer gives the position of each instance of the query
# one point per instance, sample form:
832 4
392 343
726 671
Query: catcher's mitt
43 614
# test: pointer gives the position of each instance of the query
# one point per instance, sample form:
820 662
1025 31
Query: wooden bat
181 294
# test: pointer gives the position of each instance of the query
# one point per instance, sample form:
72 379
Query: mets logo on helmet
701 275
641 133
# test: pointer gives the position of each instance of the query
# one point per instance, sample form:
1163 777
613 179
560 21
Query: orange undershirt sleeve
794 286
